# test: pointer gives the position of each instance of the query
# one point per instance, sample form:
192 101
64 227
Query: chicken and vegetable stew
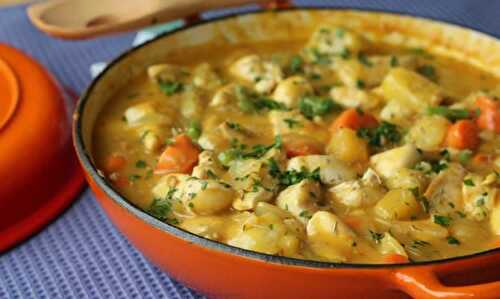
332 149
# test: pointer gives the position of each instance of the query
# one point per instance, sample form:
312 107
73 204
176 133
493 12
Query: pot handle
424 283
80 19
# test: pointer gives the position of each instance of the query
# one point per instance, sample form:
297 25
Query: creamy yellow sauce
279 171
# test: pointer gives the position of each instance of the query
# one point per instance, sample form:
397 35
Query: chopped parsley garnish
445 154
211 175
305 214
364 59
291 177
394 62
438 166
428 71
424 202
345 54
234 126
204 185
141 164
249 102
315 76
239 151
385 133
340 32
464 156
194 130
160 207
461 214
469 182
311 106
271 226
452 240
191 204
292 123
451 114
360 84
376 237
319 58
296 64
442 220
480 202
133 177
170 87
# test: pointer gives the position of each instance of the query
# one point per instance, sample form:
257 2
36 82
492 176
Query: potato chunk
398 204
268 232
331 170
207 197
390 245
389 162
291 90
406 178
166 73
264 75
300 199
211 227
346 146
397 113
293 122
411 89
495 218
329 237
204 76
429 132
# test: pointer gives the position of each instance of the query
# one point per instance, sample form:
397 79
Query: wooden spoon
78 19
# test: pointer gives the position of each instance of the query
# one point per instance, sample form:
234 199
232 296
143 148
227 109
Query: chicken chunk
331 170
334 41
389 162
329 237
445 190
204 76
208 166
359 193
291 90
300 199
479 197
293 122
264 75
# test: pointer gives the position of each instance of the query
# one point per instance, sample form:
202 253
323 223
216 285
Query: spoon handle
80 19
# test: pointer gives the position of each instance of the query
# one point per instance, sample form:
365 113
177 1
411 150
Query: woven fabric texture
81 254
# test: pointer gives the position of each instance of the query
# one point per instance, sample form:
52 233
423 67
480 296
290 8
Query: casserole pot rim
84 154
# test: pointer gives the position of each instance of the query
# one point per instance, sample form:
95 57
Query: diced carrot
394 258
299 145
179 157
489 117
463 135
354 119
114 163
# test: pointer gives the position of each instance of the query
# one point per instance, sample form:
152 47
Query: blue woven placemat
81 254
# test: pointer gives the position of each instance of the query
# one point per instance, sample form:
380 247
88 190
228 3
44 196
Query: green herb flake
360 84
345 54
364 59
194 130
451 114
292 123
376 237
141 164
296 64
464 156
452 240
211 175
469 182
271 226
386 133
319 58
442 220
428 71
170 87
311 106
305 214
133 177
394 62
340 32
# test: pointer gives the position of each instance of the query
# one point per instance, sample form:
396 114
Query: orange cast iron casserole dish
223 271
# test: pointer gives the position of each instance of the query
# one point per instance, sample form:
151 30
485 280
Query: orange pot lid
39 173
